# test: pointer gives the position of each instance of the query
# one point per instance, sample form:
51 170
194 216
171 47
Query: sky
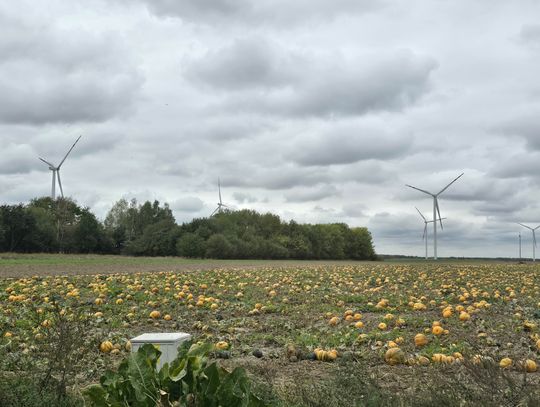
318 111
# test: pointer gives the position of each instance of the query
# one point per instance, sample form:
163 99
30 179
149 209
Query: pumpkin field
308 334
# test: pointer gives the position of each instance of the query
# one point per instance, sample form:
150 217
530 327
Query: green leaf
97 395
200 349
142 374
212 381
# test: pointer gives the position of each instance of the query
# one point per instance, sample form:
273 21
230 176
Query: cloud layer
318 111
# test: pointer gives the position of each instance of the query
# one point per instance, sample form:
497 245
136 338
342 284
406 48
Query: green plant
188 381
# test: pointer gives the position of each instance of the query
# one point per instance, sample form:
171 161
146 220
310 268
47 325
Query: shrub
188 380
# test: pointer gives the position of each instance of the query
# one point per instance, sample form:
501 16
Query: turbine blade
60 183
425 231
446 187
420 213
62 162
534 238
438 212
46 162
215 210
418 189
525 226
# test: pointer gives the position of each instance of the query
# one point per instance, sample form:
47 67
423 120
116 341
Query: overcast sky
319 111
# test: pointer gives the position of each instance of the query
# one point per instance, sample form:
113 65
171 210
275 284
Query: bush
16 391
188 380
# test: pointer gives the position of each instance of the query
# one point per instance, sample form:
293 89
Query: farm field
403 333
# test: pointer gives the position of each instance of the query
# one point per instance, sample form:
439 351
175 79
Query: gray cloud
246 63
187 204
273 12
54 75
530 34
241 197
17 159
310 195
519 165
349 143
315 85
317 111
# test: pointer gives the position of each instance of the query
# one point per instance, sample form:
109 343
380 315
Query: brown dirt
76 265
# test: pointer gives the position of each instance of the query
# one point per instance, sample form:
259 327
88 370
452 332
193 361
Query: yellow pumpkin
423 361
437 330
106 346
155 314
464 316
167 317
394 356
438 358
331 355
359 324
530 366
334 321
418 306
420 340
505 363
529 326
222 345
382 326
447 313
320 354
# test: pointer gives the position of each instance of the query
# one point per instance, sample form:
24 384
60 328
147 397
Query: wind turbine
424 236
436 211
533 230
220 203
56 171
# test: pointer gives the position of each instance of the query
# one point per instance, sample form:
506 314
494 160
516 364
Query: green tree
157 239
218 247
191 245
18 228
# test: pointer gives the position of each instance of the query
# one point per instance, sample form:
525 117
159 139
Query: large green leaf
97 395
142 375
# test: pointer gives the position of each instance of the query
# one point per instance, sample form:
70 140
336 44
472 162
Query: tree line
150 229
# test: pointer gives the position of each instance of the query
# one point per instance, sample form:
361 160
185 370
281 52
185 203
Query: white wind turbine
533 230
220 204
436 211
425 235
56 171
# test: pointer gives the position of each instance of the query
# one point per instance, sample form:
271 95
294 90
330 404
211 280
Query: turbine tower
533 230
424 236
56 172
436 211
220 204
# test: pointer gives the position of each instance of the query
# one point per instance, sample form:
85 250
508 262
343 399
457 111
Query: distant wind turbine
533 230
220 204
56 171
425 235
436 211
